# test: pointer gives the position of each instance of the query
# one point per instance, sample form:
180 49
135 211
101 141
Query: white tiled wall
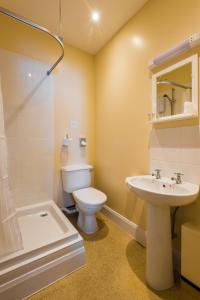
29 120
178 150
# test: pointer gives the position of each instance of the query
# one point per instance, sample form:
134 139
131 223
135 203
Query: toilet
77 180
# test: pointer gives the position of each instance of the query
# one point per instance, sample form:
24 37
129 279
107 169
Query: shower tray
52 249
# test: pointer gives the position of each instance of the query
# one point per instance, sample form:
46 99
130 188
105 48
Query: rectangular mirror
175 91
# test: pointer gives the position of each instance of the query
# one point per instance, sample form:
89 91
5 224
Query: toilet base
87 223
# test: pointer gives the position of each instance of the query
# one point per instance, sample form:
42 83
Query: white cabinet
190 252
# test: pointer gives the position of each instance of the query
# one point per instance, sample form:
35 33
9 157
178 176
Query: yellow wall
123 93
123 85
73 89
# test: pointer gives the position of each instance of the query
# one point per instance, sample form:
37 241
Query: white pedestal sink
160 194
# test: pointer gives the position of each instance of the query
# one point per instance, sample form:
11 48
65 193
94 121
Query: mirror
175 91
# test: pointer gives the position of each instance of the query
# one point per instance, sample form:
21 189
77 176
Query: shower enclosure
38 245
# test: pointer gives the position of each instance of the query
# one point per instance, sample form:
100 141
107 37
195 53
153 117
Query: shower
171 100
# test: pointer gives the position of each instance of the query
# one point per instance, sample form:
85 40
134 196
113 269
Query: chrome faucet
178 177
157 173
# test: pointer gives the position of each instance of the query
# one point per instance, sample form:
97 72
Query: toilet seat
90 196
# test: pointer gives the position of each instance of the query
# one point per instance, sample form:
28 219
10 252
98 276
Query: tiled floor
115 270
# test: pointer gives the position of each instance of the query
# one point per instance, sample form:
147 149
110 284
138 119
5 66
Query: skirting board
135 231
131 228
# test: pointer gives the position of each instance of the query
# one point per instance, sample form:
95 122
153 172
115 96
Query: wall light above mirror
175 91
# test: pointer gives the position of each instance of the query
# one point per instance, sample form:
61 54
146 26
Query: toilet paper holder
83 142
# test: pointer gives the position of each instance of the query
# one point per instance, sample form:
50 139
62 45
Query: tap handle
178 177
157 173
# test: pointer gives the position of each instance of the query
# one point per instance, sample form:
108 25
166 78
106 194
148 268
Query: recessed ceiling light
137 41
95 16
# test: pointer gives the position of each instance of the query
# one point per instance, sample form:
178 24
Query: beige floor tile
115 270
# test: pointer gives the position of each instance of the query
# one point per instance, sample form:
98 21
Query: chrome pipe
36 26
175 84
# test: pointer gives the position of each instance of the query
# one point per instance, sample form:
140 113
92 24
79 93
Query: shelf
174 118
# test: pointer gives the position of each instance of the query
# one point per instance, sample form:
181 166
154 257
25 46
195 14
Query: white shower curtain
10 236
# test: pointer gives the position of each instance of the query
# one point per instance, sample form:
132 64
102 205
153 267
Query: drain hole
44 214
164 185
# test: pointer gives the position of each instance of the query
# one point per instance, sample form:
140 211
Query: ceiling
77 28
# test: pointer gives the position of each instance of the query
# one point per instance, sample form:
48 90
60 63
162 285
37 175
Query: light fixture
189 43
29 75
95 16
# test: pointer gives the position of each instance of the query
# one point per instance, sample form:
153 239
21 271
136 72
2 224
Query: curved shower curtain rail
174 83
30 23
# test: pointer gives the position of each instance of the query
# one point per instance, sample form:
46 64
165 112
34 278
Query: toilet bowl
77 181
89 201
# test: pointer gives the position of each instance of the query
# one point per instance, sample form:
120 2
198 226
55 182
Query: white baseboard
135 231
131 228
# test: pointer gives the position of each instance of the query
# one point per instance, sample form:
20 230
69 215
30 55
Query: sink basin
163 191
160 194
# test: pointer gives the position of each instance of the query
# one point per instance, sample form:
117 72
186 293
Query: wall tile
176 150
29 120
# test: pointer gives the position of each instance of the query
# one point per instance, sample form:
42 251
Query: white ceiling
77 28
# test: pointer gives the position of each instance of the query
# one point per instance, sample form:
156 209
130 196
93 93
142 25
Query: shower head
166 96
171 100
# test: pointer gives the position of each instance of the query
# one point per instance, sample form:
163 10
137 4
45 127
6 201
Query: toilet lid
90 196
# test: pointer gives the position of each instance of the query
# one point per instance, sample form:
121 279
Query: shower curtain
10 236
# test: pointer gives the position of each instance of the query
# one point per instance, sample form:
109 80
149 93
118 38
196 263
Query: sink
160 194
163 191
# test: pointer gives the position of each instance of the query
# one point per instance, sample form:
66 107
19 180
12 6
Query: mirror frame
194 61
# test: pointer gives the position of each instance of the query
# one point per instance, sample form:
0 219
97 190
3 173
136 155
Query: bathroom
94 114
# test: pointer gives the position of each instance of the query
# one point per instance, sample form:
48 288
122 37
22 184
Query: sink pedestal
159 195
159 269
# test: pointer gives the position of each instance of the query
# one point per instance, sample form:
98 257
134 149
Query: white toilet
77 180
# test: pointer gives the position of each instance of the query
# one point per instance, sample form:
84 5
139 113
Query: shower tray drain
43 214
